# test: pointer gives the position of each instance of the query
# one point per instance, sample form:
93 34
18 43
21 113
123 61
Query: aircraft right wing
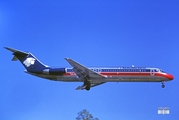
83 71
85 74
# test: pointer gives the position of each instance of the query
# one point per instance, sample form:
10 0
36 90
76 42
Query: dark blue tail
30 62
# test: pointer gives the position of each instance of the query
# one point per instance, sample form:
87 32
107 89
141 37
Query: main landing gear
163 84
87 83
87 87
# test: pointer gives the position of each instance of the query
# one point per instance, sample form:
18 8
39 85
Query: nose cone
170 77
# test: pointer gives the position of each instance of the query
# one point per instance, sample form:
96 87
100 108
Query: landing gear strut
163 85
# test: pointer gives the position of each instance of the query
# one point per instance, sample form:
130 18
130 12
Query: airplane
90 77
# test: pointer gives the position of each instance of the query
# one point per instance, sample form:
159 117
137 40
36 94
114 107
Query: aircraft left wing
92 85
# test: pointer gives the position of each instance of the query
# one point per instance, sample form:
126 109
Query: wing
85 73
92 85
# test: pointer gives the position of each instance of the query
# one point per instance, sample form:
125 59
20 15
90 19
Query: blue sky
94 33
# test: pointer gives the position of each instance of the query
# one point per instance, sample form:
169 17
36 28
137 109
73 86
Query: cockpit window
161 70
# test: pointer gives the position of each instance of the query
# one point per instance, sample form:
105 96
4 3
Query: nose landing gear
163 84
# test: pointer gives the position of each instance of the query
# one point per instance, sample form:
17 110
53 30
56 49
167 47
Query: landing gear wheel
163 86
87 87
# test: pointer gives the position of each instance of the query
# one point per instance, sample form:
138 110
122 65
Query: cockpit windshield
161 70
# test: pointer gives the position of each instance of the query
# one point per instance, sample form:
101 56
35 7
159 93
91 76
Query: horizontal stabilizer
15 52
30 62
15 58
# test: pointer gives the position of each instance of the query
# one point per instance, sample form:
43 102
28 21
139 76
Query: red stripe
165 75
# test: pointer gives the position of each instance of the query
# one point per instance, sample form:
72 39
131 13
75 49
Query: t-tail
30 62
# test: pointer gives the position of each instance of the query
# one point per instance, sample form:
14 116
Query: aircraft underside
97 81
107 79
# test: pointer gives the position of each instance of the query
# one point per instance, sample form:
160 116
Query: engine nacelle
54 71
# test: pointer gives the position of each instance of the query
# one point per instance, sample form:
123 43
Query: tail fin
30 62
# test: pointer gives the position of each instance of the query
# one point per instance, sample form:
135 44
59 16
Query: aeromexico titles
89 76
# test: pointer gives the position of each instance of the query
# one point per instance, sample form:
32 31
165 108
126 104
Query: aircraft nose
170 77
